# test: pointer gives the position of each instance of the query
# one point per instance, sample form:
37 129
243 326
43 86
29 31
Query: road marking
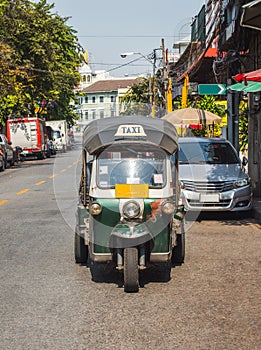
69 166
63 170
3 202
39 183
52 176
23 191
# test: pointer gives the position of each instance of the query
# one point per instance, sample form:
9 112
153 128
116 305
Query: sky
108 28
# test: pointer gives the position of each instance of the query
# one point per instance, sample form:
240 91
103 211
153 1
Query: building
226 41
101 99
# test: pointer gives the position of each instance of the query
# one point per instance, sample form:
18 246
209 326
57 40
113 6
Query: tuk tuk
128 211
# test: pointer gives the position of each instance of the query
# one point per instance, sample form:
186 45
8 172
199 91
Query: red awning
251 76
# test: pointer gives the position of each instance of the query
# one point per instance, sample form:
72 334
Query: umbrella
251 86
251 16
192 116
250 76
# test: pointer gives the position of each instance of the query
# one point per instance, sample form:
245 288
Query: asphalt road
48 302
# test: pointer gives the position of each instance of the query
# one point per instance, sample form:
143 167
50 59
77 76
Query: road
48 302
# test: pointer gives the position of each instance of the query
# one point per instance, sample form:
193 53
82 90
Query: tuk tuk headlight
95 208
241 182
131 209
168 207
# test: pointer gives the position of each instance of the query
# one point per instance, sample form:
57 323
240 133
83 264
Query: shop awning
250 76
251 86
251 16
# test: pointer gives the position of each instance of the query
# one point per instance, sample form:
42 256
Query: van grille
208 187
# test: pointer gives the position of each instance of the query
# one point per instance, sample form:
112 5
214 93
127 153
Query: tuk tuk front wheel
131 270
80 249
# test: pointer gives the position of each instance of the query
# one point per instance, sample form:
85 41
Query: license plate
209 198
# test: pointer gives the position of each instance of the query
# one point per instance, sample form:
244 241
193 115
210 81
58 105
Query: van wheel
80 249
131 271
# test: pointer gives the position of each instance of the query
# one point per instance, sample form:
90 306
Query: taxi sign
132 191
130 130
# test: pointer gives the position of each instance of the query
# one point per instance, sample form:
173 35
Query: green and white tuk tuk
128 211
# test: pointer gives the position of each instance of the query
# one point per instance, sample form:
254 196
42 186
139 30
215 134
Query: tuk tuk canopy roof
101 133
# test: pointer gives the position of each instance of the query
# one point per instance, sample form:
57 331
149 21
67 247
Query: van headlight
168 207
95 208
241 182
131 209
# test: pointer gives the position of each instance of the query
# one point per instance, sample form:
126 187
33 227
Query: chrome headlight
168 207
131 209
95 208
241 182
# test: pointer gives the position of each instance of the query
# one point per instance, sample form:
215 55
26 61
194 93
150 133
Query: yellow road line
3 202
69 166
52 176
39 183
63 170
23 191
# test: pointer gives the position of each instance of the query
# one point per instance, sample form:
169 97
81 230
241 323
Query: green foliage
39 56
137 98
243 127
208 103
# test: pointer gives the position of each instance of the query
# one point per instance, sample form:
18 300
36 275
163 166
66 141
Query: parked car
2 159
212 176
8 150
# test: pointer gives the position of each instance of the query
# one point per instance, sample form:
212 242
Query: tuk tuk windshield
128 164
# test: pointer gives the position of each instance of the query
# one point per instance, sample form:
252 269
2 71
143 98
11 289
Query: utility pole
185 92
233 116
165 77
153 97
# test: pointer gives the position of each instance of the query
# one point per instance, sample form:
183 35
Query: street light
151 85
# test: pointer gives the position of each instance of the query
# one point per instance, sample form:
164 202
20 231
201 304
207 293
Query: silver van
212 176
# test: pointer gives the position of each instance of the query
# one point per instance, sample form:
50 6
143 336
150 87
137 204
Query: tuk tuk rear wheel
131 270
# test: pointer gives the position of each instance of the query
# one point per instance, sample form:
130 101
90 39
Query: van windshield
207 153
131 165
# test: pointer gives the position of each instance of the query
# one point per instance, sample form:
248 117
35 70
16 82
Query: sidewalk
257 209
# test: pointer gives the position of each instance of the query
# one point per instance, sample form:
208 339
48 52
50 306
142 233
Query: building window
86 99
93 99
86 115
112 98
101 113
93 113
80 100
88 78
101 99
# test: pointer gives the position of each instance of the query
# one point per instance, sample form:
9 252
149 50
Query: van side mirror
244 161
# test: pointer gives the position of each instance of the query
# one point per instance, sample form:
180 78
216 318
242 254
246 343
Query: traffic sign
212 89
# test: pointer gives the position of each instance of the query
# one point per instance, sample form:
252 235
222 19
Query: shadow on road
107 273
226 218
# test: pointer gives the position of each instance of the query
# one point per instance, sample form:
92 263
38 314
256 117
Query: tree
137 99
44 54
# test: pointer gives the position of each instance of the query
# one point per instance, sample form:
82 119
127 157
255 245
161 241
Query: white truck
60 134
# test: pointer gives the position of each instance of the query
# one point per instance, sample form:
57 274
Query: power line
131 36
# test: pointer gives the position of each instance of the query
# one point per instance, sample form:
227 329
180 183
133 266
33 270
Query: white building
101 99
